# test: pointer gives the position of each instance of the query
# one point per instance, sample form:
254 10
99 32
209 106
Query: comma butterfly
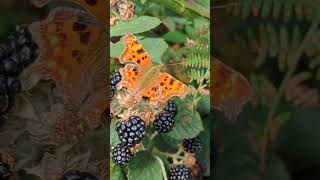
74 54
144 80
231 91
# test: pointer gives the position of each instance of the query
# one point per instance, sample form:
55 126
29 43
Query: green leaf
188 124
145 166
169 23
204 154
137 25
116 49
116 172
155 47
114 139
175 37
315 62
203 105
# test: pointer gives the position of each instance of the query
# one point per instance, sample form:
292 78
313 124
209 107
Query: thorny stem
295 59
224 6
153 135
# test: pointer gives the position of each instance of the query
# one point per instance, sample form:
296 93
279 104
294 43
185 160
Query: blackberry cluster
179 172
115 78
191 145
165 120
77 175
121 154
132 131
15 55
5 171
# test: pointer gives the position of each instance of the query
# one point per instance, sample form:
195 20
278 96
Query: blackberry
12 68
121 154
192 145
88 176
164 122
179 172
72 175
132 131
28 53
115 77
4 51
14 85
4 103
112 89
5 171
3 84
171 107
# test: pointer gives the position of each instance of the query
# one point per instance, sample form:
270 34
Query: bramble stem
154 135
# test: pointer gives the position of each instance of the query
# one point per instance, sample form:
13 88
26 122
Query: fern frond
278 42
277 8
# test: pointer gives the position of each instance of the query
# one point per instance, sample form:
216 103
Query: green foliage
137 25
188 123
197 61
145 166
279 9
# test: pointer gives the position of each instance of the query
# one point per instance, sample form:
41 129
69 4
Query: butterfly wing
130 75
98 8
65 45
231 91
169 87
135 53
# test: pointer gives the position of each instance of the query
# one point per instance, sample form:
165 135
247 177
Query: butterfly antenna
173 64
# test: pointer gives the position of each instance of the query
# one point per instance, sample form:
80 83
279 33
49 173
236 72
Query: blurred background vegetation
275 44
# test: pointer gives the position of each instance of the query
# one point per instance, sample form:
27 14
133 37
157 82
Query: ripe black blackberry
111 91
179 172
14 85
28 53
164 122
132 131
115 77
88 176
4 103
72 175
121 154
18 52
171 107
5 171
192 145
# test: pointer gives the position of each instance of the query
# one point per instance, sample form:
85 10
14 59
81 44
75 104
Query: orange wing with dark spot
170 87
65 45
135 53
98 8
151 94
130 76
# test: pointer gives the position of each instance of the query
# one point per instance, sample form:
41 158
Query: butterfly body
149 77
144 80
